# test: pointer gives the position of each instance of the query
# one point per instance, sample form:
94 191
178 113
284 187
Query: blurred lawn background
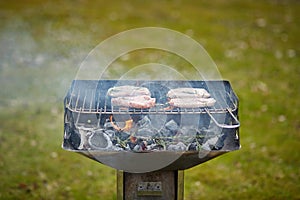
255 45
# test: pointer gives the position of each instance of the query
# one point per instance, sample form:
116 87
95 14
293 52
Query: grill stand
157 185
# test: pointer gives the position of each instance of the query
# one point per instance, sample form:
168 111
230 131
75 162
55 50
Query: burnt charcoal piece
108 125
214 143
220 143
186 131
144 122
146 132
177 147
114 141
165 133
131 145
160 144
193 146
122 135
139 146
149 142
71 138
201 137
213 131
110 133
171 127
99 140
158 148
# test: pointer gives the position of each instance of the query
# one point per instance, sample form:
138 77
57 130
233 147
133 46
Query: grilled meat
142 102
188 93
127 90
192 102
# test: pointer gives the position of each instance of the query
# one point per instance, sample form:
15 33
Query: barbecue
118 134
150 129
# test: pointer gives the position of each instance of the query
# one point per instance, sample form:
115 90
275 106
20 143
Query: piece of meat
127 90
142 102
187 93
192 102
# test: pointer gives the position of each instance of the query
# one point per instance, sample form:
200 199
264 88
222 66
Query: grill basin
158 138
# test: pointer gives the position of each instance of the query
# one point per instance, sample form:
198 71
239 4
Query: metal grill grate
93 100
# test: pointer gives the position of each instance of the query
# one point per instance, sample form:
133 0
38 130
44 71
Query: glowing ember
127 127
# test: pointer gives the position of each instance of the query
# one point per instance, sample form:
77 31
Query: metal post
120 189
152 185
180 185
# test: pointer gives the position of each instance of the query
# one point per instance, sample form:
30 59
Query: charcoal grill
150 146
88 111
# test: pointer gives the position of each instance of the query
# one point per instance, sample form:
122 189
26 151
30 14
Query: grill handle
236 121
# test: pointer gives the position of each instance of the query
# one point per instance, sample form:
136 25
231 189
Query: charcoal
140 146
193 146
84 134
213 131
122 135
123 144
172 126
150 142
220 142
187 131
143 136
117 148
139 141
99 140
203 131
114 141
157 148
108 125
189 140
146 132
131 145
110 133
201 137
136 148
177 147
160 142
144 122
73 140
165 132
210 143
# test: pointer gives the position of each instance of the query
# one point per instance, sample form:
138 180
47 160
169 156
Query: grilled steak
142 102
192 102
127 90
187 93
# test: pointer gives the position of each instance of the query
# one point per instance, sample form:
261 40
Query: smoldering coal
143 137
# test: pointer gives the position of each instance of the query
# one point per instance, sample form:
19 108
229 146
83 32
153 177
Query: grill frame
95 103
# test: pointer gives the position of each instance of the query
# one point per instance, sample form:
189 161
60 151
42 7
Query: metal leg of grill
156 185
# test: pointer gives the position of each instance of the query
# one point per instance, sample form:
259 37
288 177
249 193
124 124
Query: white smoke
32 70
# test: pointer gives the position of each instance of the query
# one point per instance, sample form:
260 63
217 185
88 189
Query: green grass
254 44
